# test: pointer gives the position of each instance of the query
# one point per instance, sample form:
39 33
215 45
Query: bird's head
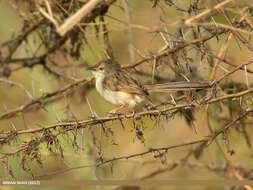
104 67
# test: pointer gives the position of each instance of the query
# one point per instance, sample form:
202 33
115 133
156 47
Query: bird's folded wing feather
126 83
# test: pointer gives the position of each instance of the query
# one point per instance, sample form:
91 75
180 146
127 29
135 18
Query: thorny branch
153 151
95 121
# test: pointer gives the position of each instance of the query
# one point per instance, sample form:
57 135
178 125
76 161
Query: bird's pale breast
117 97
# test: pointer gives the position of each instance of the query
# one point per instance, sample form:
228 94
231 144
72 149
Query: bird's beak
91 69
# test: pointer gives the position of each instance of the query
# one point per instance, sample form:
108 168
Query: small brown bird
118 87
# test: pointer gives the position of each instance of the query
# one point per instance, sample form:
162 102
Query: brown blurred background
129 44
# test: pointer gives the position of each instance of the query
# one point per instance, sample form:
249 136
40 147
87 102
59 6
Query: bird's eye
100 68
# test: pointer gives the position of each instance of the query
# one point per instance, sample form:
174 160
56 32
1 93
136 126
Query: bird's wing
122 81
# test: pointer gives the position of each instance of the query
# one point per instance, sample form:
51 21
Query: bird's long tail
177 86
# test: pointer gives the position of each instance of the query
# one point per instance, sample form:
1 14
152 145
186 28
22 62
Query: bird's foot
113 114
114 111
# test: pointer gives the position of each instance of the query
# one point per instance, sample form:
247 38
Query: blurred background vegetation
42 62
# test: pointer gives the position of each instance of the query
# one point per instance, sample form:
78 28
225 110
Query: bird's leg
114 110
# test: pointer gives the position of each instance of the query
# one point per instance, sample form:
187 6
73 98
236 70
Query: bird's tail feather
177 86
